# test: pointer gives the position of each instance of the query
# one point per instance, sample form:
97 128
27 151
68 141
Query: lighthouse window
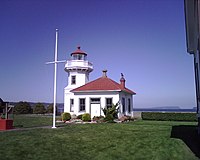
82 104
109 102
75 57
79 57
73 80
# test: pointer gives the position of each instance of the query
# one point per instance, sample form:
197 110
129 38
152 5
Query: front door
95 107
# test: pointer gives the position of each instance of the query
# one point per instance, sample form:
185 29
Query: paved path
29 128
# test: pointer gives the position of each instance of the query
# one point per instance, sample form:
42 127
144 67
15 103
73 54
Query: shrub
98 119
66 116
22 108
109 117
39 109
86 117
79 116
111 113
174 116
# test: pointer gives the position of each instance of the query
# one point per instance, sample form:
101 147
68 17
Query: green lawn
31 120
140 140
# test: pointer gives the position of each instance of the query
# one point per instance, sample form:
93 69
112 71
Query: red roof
102 84
78 51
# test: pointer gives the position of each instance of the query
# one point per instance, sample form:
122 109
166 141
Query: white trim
88 91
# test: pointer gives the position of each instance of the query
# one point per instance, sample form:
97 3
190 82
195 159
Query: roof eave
87 91
95 91
129 92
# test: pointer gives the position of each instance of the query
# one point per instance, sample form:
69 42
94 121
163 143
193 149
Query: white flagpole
55 78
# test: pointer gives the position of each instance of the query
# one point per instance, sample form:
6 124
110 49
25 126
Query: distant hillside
59 105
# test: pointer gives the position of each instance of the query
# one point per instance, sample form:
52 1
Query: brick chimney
122 81
104 73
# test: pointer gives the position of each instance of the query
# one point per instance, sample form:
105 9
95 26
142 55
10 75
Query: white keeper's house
82 96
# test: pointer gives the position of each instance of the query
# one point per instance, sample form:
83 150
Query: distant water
164 110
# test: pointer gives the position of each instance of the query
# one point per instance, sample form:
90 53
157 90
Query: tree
22 108
50 109
39 109
111 113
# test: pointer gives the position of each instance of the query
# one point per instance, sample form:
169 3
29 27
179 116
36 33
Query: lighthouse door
95 107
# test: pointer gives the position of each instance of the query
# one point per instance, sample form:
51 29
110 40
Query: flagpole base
53 127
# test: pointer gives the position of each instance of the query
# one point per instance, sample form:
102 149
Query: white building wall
67 97
126 96
116 97
88 96
82 78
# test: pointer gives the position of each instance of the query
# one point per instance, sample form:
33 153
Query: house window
108 102
73 80
71 105
123 105
82 104
95 100
129 105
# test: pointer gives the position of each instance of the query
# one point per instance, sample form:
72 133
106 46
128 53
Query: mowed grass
140 140
31 120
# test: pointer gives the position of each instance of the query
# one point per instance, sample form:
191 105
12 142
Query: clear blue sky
144 39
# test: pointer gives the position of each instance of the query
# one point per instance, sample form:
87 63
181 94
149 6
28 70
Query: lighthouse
78 69
84 96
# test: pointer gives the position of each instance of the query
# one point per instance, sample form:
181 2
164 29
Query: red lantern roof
78 51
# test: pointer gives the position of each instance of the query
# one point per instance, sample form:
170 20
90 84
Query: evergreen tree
50 108
39 108
22 108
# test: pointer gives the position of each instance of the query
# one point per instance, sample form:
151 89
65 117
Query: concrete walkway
29 128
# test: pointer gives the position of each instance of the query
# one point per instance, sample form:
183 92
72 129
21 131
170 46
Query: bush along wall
66 116
169 116
86 117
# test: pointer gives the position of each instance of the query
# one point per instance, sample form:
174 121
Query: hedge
169 116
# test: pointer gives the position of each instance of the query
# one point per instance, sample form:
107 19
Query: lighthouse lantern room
78 69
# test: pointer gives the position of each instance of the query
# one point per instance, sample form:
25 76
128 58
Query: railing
78 63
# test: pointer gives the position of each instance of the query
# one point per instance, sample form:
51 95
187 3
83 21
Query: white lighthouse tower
78 69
